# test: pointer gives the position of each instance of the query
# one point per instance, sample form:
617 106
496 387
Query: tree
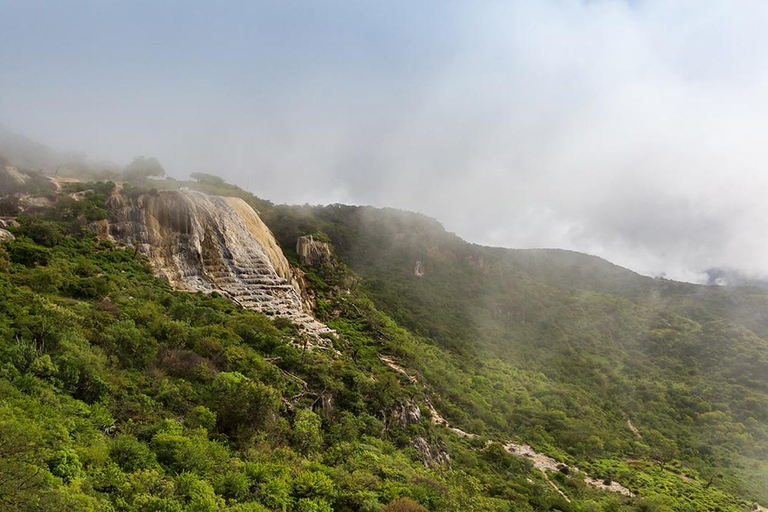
142 168
306 432
404 504
662 449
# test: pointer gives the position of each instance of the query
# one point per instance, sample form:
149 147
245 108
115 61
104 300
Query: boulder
313 252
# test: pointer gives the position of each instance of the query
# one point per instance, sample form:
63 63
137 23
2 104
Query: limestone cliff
208 243
313 252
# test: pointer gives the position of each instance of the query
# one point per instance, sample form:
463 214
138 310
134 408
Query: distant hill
733 277
20 151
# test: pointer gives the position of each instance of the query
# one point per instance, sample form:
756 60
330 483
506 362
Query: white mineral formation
208 243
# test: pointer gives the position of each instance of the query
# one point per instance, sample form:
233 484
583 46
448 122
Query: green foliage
131 454
25 252
307 438
240 402
557 347
119 394
404 504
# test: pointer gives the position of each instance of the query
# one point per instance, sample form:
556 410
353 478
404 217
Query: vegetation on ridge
118 393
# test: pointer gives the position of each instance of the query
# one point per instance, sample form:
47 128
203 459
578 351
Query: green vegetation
561 349
120 394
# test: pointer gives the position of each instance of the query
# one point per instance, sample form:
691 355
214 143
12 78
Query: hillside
120 393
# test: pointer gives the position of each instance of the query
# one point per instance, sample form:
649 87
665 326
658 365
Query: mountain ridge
657 385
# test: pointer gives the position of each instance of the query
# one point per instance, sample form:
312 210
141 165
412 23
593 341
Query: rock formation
207 243
312 252
431 454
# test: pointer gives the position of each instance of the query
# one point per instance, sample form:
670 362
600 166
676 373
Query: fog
630 130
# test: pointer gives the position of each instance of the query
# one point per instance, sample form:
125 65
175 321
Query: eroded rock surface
313 252
406 414
208 243
431 454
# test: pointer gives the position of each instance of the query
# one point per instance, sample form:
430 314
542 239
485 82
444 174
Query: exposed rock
633 429
5 235
431 455
419 269
545 463
406 414
610 486
325 404
399 369
313 253
437 419
540 461
208 243
101 228
34 201
12 175
59 182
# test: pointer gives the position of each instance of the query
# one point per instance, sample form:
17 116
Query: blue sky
629 130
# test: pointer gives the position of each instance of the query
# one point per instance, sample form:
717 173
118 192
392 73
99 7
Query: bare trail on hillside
540 461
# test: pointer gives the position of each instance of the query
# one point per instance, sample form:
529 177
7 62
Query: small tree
662 449
142 168
405 504
306 432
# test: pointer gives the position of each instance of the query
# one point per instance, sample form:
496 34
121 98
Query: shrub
131 454
404 504
25 252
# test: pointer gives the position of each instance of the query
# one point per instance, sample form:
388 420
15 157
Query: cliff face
313 253
207 243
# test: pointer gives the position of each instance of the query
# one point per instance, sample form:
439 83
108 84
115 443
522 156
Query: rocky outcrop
431 454
11 176
312 252
406 414
208 243
4 233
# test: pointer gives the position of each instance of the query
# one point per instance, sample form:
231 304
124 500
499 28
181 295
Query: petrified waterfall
207 243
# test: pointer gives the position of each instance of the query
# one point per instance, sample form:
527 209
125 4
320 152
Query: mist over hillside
383 257
624 129
551 379
23 152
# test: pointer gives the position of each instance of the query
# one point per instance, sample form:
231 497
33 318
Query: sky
632 130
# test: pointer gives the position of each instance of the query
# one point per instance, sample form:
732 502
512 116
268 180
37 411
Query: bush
41 231
239 401
25 252
131 454
306 432
201 417
404 504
